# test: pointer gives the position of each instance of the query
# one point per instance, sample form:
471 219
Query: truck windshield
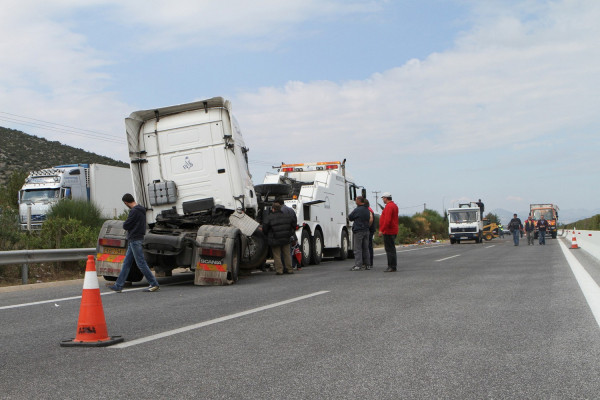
463 216
548 214
39 195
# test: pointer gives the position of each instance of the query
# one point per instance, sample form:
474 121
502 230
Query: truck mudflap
216 256
110 252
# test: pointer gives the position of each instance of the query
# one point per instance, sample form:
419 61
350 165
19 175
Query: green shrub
84 212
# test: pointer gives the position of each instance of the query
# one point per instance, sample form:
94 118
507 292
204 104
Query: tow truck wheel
305 247
344 246
317 247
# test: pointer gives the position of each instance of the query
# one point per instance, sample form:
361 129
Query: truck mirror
363 193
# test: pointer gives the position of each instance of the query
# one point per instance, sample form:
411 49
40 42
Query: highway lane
461 321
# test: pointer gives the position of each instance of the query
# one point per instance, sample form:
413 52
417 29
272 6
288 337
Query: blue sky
438 102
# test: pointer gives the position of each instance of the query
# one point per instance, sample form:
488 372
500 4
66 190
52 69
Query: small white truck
190 171
322 196
101 184
465 223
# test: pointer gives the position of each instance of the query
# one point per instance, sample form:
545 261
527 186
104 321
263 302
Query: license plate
114 250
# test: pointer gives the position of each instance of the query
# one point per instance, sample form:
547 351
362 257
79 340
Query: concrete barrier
587 240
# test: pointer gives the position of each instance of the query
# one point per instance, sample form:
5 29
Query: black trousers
390 250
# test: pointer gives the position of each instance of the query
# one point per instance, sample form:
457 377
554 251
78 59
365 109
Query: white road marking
35 303
488 247
212 321
588 286
447 258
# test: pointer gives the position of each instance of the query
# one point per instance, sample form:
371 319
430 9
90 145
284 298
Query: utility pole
376 198
424 207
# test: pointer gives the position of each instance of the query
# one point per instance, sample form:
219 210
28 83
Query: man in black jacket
360 234
279 227
135 225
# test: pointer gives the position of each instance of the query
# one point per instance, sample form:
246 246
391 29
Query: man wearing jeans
542 225
388 227
135 225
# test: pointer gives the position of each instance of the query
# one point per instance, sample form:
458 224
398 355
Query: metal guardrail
26 257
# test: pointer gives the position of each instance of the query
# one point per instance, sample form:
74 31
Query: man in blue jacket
360 232
135 225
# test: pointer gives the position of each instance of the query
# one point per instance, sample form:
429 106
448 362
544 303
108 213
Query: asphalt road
466 321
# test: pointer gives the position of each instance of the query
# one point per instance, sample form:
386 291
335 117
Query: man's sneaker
368 267
152 289
114 288
356 269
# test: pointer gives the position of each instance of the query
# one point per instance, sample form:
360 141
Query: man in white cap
388 227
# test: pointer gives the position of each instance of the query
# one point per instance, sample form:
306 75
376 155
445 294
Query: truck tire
452 241
273 189
233 271
306 247
317 254
343 246
255 253
554 235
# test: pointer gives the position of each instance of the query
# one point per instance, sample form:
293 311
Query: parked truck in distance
190 171
322 195
101 184
550 213
465 223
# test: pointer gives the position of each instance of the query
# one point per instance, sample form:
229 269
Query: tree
492 218
10 196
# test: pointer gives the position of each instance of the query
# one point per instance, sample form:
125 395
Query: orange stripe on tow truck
212 267
109 257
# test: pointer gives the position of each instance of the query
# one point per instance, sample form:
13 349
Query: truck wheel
317 248
306 247
273 189
554 235
109 278
255 253
452 241
343 246
234 269
135 275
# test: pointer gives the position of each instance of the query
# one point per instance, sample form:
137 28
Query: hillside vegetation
587 224
21 153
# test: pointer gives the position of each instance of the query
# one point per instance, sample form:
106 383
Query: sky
436 101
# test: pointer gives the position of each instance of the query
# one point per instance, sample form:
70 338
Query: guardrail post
25 274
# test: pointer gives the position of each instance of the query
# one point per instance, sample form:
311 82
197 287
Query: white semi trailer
103 185
190 171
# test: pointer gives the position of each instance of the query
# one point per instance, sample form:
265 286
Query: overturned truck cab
190 171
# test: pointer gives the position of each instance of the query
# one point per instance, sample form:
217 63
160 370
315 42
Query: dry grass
44 272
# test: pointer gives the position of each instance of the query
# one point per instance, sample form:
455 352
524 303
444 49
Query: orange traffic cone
574 241
91 326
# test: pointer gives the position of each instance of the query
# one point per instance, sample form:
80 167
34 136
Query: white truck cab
465 223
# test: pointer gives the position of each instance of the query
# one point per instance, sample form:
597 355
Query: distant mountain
22 152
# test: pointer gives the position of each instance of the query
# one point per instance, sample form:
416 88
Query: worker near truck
388 227
542 226
360 217
371 231
288 211
279 227
135 225
530 230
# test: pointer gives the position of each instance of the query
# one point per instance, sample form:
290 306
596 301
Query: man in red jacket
388 227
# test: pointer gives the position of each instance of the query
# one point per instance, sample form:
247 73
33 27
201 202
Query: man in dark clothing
288 211
542 225
516 227
360 233
279 227
481 207
135 225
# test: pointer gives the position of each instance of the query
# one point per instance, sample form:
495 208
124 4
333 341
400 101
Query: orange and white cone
574 241
91 326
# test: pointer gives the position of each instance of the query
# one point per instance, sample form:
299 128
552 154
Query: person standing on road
135 225
542 226
530 230
388 227
287 263
360 234
279 227
515 226
371 232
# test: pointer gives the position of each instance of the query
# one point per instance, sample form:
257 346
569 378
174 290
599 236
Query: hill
22 152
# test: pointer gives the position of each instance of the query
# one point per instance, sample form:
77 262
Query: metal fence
26 257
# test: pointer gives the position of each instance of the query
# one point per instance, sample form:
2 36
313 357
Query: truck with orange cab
550 213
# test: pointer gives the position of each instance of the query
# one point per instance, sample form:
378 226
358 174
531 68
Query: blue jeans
516 233
135 252
542 236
